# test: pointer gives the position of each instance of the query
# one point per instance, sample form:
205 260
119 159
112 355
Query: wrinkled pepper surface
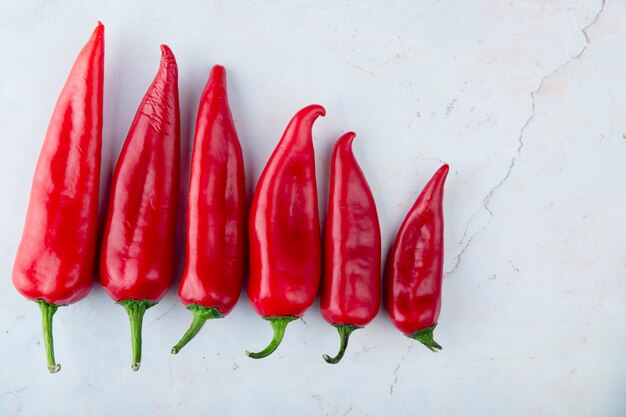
137 255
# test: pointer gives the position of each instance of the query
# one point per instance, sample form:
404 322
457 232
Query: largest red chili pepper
54 265
136 265
216 213
351 284
415 266
284 229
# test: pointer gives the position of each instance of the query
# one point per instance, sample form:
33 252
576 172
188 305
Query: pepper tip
168 62
135 366
217 77
98 32
443 170
167 56
313 110
321 110
218 68
347 138
165 50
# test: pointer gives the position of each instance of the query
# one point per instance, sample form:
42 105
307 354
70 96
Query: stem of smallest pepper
278 325
136 310
344 331
47 312
200 316
425 336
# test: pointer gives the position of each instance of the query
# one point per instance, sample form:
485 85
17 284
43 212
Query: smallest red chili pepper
415 266
351 284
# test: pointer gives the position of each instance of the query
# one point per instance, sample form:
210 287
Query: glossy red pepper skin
351 282
284 230
137 255
55 260
414 270
216 212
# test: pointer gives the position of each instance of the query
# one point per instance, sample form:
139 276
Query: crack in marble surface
166 312
395 371
422 13
365 70
364 350
520 141
466 229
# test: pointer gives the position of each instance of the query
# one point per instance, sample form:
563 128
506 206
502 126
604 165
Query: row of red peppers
55 260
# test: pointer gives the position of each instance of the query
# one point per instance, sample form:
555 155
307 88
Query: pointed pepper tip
347 138
442 172
217 76
168 61
166 50
314 110
98 33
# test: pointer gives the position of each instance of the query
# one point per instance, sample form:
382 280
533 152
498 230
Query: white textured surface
526 101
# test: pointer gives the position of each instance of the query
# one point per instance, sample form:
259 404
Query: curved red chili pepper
216 213
136 263
55 260
415 266
351 283
284 229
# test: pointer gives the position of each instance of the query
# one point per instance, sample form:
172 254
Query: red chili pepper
136 264
216 213
54 265
285 247
351 282
415 266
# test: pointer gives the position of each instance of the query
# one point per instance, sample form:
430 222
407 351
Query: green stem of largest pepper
425 336
200 316
344 331
278 325
47 312
136 310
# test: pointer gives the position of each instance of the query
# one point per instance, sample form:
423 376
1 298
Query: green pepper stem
278 325
425 336
344 331
47 312
200 316
136 310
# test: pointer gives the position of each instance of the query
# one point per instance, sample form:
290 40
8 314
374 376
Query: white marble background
524 99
